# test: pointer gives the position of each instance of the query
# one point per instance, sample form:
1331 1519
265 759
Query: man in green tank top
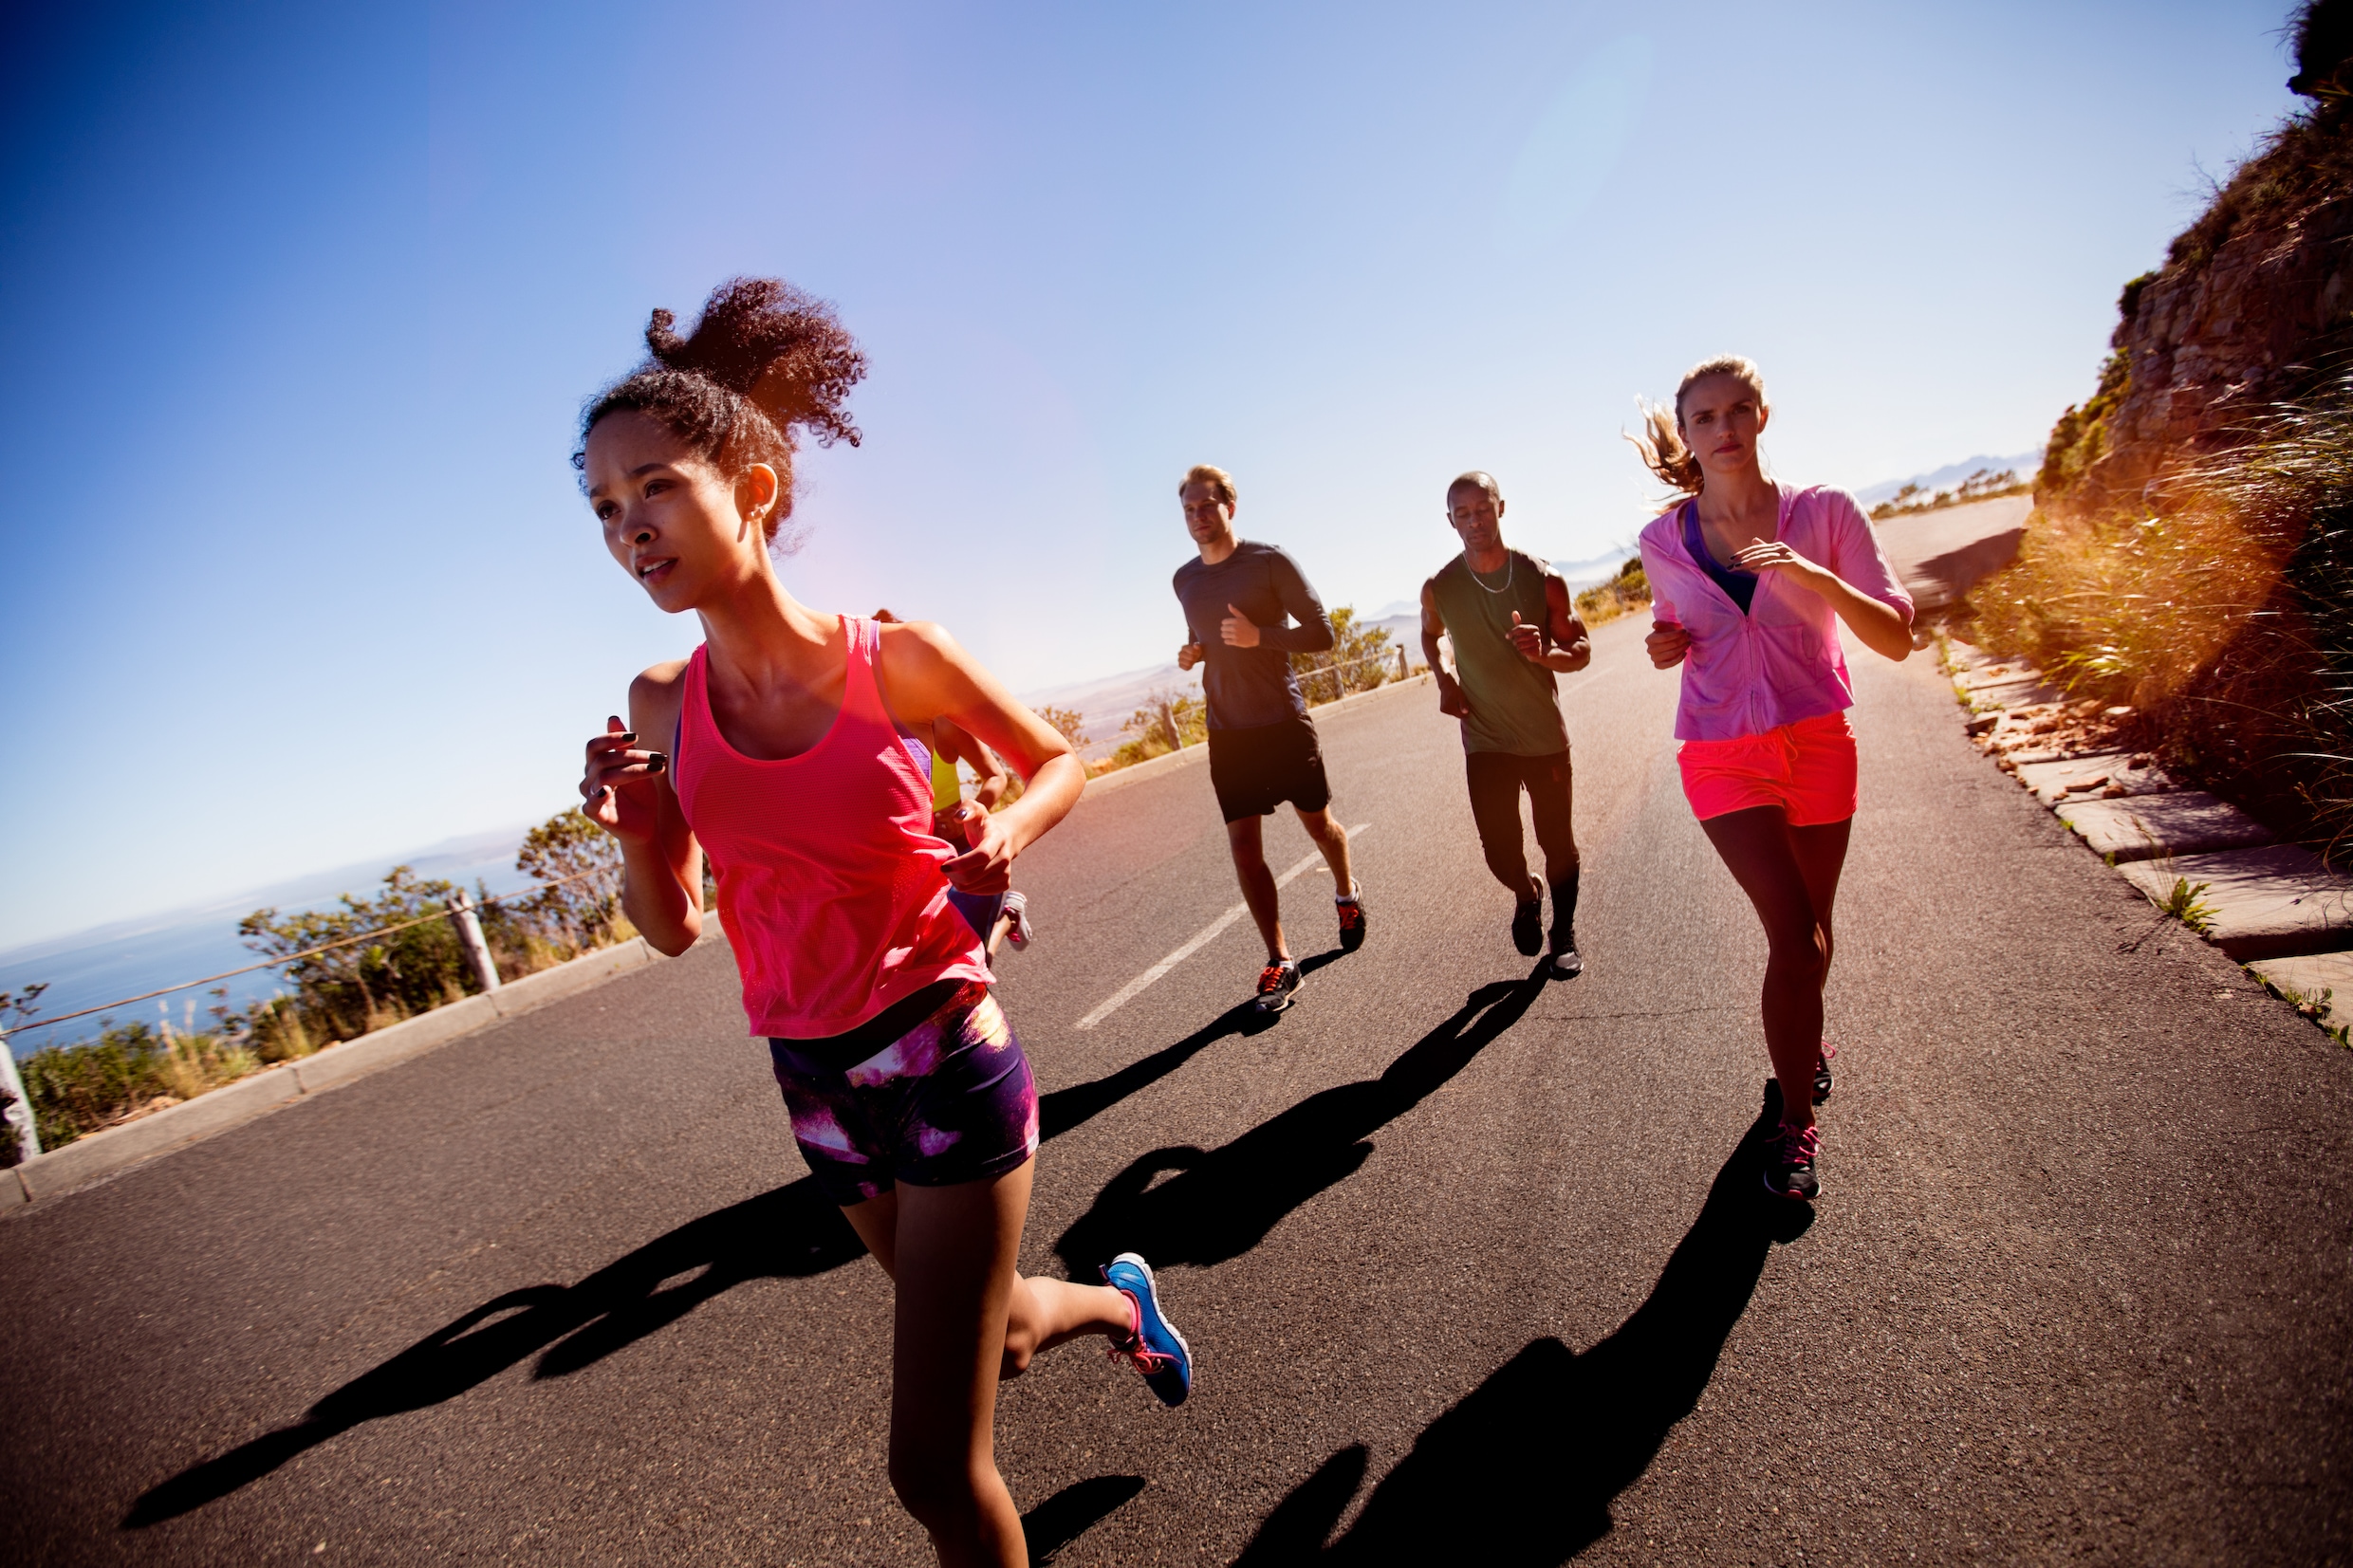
1512 628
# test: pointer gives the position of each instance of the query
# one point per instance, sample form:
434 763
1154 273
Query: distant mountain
1951 474
1595 570
1105 703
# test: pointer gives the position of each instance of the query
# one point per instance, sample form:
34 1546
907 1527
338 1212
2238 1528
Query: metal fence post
470 937
18 1118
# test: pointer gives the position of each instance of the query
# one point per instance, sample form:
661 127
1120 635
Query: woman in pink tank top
794 767
1749 581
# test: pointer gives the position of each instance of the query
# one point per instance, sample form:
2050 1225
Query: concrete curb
2321 985
101 1154
2262 902
2189 821
1170 762
2280 902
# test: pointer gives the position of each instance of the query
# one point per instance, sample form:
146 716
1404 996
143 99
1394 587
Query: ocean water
98 967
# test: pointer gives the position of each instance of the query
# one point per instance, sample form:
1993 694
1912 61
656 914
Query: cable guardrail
1175 734
15 1029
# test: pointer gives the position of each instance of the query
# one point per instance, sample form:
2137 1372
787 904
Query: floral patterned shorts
951 1100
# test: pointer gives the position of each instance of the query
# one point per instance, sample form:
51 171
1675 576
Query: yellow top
947 789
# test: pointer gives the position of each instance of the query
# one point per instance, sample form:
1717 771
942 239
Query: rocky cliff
2189 561
2252 308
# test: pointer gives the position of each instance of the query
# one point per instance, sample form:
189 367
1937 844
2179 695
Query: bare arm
988 771
927 675
1450 700
627 790
1571 647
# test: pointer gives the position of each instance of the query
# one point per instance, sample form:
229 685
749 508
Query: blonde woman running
1750 578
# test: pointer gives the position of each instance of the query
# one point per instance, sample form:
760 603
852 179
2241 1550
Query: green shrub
1621 595
77 1089
1358 660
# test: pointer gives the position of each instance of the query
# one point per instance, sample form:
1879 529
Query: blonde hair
1661 439
1218 480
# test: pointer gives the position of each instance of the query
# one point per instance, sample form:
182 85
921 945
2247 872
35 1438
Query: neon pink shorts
1806 768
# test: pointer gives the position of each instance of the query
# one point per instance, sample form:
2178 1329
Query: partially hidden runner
995 916
1748 580
1240 598
1513 629
792 765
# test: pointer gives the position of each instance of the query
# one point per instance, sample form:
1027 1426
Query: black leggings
1497 780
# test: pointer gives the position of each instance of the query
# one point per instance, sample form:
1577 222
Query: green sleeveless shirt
1516 706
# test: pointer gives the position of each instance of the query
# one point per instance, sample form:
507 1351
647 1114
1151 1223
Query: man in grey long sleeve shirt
1239 597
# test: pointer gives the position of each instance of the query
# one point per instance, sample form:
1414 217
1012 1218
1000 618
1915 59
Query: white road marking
1200 939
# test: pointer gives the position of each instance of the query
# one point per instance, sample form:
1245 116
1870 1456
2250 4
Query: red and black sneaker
1351 921
1789 1165
1277 984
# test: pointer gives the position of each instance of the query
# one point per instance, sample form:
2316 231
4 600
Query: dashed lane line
1200 939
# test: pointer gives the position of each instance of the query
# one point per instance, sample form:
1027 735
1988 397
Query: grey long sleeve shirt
1249 688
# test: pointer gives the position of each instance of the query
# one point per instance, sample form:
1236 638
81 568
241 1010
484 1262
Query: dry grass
131 1071
2127 611
1623 595
2223 617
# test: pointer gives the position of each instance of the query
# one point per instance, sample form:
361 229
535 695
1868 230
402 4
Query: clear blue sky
303 302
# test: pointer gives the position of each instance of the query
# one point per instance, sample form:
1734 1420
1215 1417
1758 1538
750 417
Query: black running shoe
1527 928
1565 964
1351 923
1822 1073
1277 984
1789 1165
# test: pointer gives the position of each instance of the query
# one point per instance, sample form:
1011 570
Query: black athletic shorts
1255 770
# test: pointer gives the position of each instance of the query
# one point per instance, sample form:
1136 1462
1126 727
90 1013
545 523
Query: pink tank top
828 872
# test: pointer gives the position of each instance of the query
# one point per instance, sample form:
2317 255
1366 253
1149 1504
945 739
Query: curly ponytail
1660 442
764 360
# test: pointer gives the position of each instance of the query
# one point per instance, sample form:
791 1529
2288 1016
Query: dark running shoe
1351 922
1565 964
1277 985
1822 1073
1789 1165
1527 928
1154 1347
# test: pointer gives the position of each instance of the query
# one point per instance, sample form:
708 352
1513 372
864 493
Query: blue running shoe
1155 1348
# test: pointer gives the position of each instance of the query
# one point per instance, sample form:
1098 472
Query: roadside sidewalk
2278 909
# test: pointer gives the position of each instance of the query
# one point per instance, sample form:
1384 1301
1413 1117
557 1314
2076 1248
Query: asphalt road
1476 1268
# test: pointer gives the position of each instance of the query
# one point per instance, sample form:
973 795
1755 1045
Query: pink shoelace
1799 1145
1132 1349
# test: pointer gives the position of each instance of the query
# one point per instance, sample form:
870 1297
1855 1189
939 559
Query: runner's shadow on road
1071 1512
1220 1204
1067 1108
791 1232
1523 1471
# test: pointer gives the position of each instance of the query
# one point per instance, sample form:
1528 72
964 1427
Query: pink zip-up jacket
1781 661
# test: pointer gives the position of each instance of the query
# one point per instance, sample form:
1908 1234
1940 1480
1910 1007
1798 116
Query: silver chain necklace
1511 564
